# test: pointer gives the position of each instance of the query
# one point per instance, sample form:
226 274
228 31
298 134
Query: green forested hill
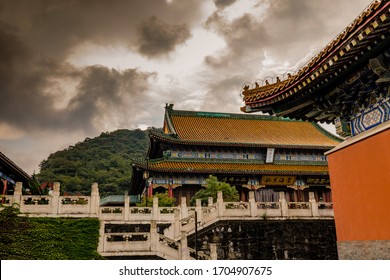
105 160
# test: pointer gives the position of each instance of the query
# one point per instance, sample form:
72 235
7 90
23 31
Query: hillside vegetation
105 160
23 238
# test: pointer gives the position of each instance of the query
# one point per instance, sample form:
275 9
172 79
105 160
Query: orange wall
360 180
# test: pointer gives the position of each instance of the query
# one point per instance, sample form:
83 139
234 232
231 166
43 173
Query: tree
104 159
163 200
213 186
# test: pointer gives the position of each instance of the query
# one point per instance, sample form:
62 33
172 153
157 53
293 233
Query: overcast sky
73 69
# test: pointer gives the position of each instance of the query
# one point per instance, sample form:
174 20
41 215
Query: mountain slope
105 159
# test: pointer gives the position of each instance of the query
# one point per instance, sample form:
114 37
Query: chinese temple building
251 152
10 173
348 84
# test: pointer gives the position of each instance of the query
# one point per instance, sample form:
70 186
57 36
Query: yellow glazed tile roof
257 130
240 168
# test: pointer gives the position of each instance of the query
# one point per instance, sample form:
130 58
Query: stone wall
364 250
270 239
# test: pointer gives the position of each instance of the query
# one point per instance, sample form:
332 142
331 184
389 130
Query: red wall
360 180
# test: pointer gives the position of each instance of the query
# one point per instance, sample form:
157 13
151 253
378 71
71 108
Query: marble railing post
283 204
17 197
55 201
155 208
210 201
177 223
220 205
199 211
252 204
127 206
184 251
154 239
313 205
184 209
95 200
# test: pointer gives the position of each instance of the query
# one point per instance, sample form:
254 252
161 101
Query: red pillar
170 191
150 191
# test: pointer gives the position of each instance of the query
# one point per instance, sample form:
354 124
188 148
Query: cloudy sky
73 69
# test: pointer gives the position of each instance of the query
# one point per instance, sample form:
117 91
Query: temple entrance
321 193
268 194
243 193
187 190
297 195
159 189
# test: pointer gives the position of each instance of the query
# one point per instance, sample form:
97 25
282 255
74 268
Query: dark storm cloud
22 82
37 37
223 3
56 27
157 38
102 90
284 31
288 30
27 87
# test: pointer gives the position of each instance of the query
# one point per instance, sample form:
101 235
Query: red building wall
360 179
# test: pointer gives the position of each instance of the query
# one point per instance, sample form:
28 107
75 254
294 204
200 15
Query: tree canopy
213 186
163 200
105 160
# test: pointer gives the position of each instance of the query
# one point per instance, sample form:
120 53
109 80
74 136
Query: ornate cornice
363 39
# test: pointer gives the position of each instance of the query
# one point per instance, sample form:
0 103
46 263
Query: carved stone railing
268 205
54 204
209 213
126 242
74 204
188 223
181 217
172 244
198 255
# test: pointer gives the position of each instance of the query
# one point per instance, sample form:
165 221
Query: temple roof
239 167
11 172
242 130
301 95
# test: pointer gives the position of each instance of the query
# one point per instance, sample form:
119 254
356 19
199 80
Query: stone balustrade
179 221
54 205
88 206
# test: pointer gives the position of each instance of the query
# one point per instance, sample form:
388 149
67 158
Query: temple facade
267 154
348 84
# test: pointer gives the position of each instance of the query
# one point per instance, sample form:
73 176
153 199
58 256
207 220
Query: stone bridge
162 232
